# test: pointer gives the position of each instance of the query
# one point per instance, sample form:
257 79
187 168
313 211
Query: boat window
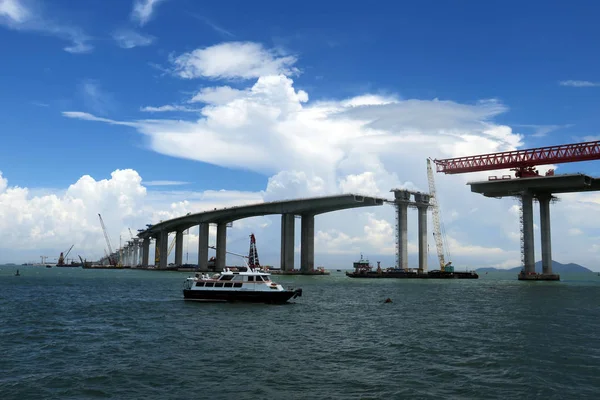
209 284
250 279
226 277
265 278
259 279
219 284
200 284
228 284
237 284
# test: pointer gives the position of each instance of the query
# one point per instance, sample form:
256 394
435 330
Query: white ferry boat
242 284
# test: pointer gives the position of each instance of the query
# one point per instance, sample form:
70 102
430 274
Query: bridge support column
528 245
145 251
287 242
307 243
163 249
422 214
203 246
178 248
221 246
545 234
402 209
127 256
135 249
157 250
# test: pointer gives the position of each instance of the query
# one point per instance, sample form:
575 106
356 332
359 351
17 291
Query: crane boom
110 251
437 231
521 160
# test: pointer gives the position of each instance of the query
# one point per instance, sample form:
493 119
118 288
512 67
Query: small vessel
17 273
240 284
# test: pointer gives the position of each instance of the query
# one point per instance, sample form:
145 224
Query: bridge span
306 208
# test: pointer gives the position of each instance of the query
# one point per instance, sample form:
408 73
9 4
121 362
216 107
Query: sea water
72 333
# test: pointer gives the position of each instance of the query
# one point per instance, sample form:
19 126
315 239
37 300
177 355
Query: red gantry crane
521 161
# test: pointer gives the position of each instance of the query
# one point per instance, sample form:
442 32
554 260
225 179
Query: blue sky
535 60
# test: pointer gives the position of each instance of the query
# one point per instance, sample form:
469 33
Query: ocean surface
70 333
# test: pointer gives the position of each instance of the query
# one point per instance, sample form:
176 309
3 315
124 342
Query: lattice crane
110 251
521 161
435 210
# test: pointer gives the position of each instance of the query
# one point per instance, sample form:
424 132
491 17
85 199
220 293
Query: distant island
557 268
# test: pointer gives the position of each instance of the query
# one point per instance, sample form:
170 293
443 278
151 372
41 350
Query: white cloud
233 60
573 83
143 9
128 39
165 183
168 108
18 15
217 95
14 10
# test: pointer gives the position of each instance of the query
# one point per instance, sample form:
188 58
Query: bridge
528 185
306 208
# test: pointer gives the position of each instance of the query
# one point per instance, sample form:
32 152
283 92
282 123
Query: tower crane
110 251
253 253
435 208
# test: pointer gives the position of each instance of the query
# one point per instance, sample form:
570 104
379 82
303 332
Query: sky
146 110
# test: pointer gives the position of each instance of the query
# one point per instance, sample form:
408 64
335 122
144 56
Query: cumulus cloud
25 16
128 39
233 60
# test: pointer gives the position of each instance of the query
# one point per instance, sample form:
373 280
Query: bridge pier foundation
287 242
179 248
307 244
145 251
221 246
203 246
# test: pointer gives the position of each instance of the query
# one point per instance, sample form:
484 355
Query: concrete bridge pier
545 233
178 247
203 246
307 243
221 246
422 222
145 251
528 244
287 242
402 233
135 249
156 249
164 249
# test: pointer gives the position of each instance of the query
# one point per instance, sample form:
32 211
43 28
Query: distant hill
556 268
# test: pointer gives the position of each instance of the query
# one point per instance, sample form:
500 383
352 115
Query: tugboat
239 284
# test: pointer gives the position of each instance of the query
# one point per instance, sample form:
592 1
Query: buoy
388 300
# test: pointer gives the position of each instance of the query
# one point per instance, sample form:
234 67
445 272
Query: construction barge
362 269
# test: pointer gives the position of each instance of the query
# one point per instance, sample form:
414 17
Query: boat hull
247 296
409 275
